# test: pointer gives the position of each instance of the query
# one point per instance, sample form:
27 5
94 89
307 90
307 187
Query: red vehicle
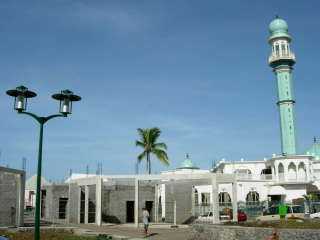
242 216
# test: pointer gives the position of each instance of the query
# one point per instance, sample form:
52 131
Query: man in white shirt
145 215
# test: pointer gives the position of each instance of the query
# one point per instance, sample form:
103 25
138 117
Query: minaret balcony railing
287 56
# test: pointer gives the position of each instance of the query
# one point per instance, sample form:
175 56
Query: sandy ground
155 232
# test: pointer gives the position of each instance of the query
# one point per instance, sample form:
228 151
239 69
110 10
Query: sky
196 69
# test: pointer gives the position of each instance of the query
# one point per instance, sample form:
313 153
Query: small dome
314 151
278 25
187 164
278 28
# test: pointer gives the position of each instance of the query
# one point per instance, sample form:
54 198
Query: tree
148 141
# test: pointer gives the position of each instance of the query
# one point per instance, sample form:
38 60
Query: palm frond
140 144
154 134
142 134
160 145
161 155
141 156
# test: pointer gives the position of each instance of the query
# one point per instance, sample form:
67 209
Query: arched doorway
302 173
224 199
281 172
292 172
252 198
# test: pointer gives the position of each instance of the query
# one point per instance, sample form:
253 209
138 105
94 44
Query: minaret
281 60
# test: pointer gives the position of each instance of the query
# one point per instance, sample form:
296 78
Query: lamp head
21 95
66 97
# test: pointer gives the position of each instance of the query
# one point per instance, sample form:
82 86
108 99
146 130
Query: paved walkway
156 232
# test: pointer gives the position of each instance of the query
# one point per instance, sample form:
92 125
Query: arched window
277 50
283 49
252 198
292 172
224 199
281 172
302 173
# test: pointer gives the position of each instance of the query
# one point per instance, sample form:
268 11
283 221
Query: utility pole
24 164
87 170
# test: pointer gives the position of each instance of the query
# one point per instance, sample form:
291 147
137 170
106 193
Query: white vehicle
315 215
272 213
208 217
205 218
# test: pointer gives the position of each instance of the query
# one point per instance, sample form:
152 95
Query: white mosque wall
294 191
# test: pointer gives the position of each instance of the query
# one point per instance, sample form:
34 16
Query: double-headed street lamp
21 95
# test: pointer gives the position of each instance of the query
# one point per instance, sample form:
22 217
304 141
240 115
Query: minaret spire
282 60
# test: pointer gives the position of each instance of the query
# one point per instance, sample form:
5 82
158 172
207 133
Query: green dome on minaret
278 28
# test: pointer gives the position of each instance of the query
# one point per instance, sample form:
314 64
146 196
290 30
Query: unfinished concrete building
120 198
12 187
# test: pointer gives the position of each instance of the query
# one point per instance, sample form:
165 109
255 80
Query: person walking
145 215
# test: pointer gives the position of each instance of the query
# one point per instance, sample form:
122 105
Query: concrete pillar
307 171
285 169
156 203
136 202
99 201
86 205
276 171
234 202
68 205
215 201
163 201
193 201
20 200
175 213
79 203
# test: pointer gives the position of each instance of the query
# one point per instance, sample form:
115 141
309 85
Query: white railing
244 176
281 177
254 177
266 177
274 57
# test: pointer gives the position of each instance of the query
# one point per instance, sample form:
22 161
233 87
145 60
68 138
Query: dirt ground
154 233
161 233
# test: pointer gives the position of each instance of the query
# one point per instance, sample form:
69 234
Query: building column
307 171
215 201
193 201
136 202
163 202
99 201
20 200
276 172
234 202
86 204
285 171
68 205
79 204
156 203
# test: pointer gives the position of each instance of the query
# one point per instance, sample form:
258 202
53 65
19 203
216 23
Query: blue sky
196 69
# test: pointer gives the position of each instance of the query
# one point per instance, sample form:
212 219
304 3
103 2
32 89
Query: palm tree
148 141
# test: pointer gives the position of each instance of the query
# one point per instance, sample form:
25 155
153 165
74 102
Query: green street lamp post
21 95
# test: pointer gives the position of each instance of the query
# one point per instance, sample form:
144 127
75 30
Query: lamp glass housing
65 106
20 103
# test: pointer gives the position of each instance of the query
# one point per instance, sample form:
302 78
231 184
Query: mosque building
288 176
188 191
